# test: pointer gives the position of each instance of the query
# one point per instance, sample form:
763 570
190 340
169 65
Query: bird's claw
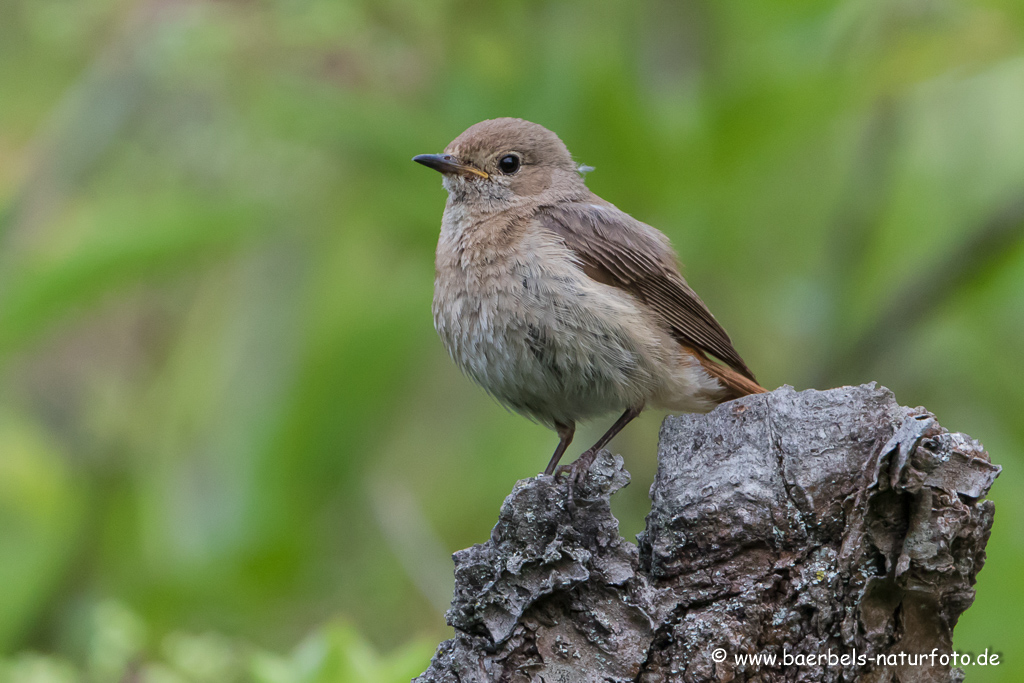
577 472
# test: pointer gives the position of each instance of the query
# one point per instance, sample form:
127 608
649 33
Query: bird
560 305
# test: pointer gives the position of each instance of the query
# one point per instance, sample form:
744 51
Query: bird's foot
577 472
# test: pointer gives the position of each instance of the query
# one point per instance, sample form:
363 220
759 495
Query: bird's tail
736 383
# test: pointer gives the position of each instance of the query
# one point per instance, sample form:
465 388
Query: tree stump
835 531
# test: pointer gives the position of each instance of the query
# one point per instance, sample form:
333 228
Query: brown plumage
558 303
621 251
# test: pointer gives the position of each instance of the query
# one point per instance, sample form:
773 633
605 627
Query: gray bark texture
813 524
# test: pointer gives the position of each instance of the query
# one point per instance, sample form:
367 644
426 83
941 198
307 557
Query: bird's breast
524 322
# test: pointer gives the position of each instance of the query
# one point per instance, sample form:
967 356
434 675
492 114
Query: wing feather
619 250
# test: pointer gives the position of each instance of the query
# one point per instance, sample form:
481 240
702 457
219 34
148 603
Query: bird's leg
582 464
565 433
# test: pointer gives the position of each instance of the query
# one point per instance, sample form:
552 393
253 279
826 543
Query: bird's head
498 161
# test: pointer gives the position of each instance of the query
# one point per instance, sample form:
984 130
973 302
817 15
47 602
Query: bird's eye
509 164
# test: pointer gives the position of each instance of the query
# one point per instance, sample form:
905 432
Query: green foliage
118 652
221 399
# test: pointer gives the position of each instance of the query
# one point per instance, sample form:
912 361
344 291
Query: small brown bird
557 303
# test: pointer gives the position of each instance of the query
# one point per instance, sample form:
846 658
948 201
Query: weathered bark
804 524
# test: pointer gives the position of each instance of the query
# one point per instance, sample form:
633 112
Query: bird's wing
619 250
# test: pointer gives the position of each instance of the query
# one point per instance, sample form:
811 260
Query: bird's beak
446 163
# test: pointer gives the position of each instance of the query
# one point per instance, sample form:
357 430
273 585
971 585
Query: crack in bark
780 458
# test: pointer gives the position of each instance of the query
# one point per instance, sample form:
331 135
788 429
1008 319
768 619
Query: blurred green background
232 447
